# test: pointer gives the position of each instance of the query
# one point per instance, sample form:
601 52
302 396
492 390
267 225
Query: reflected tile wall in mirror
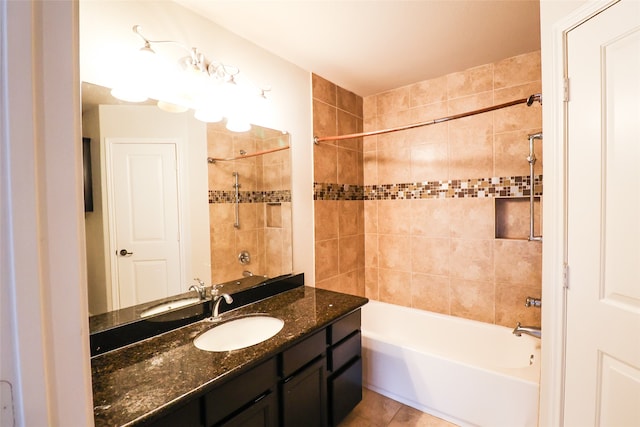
264 208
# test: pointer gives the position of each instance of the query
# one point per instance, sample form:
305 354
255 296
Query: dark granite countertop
145 380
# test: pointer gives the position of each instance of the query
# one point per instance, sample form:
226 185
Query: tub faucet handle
533 302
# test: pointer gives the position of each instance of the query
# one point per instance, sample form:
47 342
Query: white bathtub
469 373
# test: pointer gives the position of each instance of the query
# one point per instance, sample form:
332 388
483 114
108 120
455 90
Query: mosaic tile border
322 191
269 196
510 186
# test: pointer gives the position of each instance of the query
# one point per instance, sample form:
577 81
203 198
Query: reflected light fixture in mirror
128 93
237 125
212 89
208 115
171 108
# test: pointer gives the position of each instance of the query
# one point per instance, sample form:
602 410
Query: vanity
309 373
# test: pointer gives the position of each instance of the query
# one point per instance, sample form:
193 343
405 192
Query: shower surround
410 217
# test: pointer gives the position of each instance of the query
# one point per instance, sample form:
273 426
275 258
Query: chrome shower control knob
533 302
244 257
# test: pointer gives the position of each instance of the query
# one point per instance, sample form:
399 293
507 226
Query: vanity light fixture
196 60
211 88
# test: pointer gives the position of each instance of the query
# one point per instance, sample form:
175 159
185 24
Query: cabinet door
345 391
304 397
263 413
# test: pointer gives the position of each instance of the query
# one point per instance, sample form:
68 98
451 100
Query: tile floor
376 410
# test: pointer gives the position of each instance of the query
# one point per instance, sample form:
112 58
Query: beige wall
429 218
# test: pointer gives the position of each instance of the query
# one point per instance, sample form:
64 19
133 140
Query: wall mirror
176 199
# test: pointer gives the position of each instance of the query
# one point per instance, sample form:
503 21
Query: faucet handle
200 288
533 302
215 289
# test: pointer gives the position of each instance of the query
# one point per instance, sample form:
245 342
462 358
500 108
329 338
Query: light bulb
171 108
235 124
128 94
208 115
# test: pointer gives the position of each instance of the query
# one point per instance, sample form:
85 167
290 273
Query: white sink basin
170 305
239 333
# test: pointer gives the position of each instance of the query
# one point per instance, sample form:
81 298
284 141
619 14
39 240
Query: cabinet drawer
303 353
345 351
345 391
344 327
230 397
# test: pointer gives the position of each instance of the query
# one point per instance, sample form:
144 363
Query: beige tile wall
339 224
433 254
442 254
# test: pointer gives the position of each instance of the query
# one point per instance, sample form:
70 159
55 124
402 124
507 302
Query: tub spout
528 330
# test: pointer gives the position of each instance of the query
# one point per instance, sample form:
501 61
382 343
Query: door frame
111 261
554 252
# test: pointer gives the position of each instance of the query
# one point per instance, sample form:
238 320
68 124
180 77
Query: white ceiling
370 46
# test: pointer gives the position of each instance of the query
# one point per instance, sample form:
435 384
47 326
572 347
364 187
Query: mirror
176 199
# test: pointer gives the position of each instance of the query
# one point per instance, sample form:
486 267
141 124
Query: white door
145 212
602 373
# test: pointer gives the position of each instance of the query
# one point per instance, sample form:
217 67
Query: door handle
124 252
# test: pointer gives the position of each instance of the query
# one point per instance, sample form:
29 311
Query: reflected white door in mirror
143 208
150 219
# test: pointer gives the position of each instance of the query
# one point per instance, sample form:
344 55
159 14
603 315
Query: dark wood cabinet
188 415
345 391
303 397
314 383
344 380
301 354
263 412
240 393
303 386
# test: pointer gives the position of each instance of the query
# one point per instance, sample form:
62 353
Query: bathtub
466 372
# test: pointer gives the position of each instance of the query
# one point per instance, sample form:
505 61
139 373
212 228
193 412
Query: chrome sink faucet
217 299
528 330
200 288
